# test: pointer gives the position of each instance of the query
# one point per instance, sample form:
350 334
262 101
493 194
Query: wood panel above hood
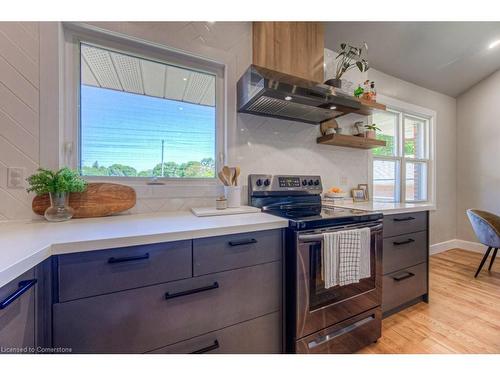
295 48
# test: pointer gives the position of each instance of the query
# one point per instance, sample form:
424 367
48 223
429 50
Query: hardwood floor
463 315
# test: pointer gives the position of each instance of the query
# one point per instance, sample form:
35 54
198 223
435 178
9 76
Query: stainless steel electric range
340 319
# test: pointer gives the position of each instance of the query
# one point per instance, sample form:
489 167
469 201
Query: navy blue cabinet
17 314
405 261
212 295
179 297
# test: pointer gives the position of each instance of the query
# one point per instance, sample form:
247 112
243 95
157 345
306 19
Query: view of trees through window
141 118
400 169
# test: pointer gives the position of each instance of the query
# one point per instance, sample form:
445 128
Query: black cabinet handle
207 349
404 276
23 288
168 295
409 240
408 218
242 242
128 259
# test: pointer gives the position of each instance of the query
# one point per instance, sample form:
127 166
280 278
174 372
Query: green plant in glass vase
58 185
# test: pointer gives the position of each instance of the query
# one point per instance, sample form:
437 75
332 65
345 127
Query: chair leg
493 258
482 262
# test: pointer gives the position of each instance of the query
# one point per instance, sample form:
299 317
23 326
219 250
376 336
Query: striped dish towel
346 257
330 259
365 260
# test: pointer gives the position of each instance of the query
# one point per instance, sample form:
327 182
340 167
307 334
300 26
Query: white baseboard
457 244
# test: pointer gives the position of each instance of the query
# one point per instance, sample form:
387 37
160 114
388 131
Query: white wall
19 111
261 145
478 156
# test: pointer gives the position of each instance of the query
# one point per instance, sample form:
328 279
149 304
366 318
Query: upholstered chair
487 228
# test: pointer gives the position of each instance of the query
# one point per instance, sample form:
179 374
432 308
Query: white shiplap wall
19 112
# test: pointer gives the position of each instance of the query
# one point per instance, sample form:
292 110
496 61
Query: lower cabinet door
345 337
144 319
17 315
403 286
257 336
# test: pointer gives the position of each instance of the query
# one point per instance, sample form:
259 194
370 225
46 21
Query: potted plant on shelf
371 131
348 58
58 185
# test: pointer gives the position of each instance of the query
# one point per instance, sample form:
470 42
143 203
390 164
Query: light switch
15 177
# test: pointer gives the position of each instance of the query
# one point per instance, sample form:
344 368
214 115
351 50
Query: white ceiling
116 71
447 57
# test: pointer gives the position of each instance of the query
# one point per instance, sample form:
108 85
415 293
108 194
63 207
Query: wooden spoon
227 174
237 171
223 179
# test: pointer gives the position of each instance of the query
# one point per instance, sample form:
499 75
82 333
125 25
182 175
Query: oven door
318 307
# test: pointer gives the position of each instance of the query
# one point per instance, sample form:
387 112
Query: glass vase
59 209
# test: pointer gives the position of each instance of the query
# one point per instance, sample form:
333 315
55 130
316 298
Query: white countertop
388 207
23 245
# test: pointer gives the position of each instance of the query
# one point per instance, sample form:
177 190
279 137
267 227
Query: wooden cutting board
100 199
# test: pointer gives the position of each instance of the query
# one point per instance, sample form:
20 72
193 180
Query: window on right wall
402 169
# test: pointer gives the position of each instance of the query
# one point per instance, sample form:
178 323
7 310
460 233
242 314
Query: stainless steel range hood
269 93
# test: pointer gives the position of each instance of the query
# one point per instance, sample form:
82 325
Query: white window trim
73 34
418 111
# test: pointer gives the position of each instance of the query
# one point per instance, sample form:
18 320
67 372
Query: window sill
167 187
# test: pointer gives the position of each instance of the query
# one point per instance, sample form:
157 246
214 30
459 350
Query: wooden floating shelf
368 107
350 141
372 104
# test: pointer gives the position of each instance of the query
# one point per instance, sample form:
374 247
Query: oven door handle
319 236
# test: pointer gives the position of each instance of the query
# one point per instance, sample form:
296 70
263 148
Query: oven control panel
284 183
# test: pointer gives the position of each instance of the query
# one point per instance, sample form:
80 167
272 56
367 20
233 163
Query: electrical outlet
343 180
15 177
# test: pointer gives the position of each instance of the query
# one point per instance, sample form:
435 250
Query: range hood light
333 107
288 98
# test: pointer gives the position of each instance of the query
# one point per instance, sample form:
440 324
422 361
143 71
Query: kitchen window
142 115
401 171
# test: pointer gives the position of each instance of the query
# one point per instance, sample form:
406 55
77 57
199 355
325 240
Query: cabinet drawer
346 337
403 286
97 272
222 253
404 251
257 336
143 319
395 225
17 318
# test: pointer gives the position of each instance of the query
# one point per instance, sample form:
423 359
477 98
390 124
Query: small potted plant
58 185
371 131
348 58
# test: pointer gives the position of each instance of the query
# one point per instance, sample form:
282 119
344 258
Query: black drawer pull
242 242
168 295
128 259
23 288
409 240
207 349
408 218
404 276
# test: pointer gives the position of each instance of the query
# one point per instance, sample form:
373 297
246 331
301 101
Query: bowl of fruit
335 192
